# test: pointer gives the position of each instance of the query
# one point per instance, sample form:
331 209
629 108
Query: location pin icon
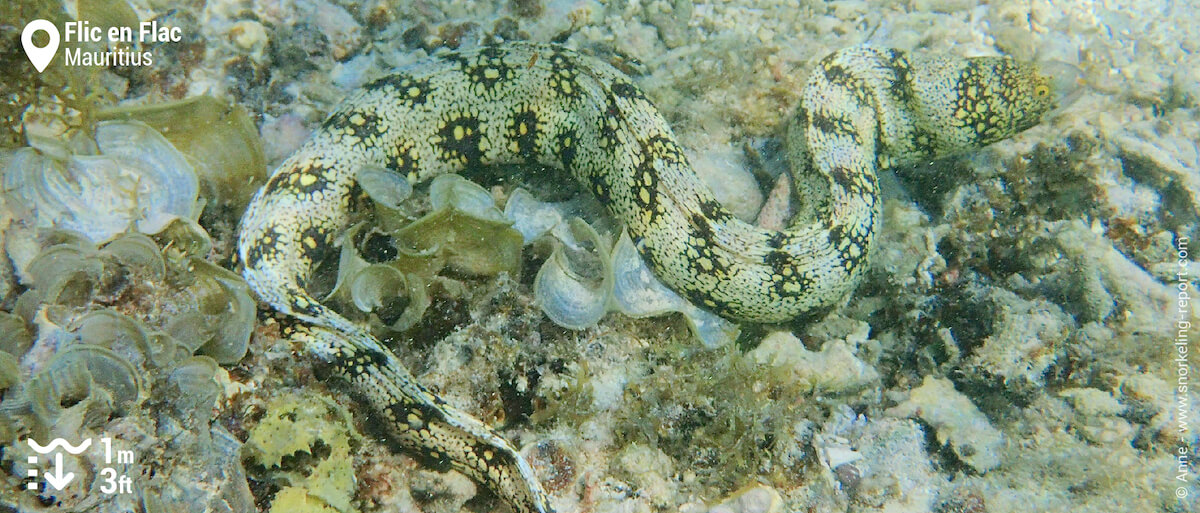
40 57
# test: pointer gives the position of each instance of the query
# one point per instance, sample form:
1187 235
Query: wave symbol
57 442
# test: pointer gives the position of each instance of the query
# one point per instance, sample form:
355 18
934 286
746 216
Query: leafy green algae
305 442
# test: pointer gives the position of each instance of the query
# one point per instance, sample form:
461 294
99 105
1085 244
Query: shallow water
1021 341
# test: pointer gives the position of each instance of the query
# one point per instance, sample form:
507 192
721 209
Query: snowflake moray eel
863 109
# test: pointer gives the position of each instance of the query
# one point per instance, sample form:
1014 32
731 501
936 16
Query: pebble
249 35
756 498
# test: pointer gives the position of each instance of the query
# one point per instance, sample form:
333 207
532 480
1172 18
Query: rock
755 498
958 423
833 369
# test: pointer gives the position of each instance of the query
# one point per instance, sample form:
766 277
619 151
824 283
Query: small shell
350 261
165 349
27 305
711 329
534 218
216 314
575 299
24 245
165 184
82 387
574 285
636 291
372 287
465 232
379 288
418 302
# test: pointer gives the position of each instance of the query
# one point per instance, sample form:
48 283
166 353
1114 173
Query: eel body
864 109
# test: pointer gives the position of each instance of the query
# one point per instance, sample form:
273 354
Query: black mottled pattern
839 75
644 188
488 68
847 179
302 304
609 123
257 251
354 121
402 88
357 362
901 86
315 242
567 142
713 210
459 140
601 188
628 90
526 132
402 158
846 236
300 181
834 123
976 99
564 73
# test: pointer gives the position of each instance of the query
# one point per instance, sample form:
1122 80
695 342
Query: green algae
387 264
102 357
219 139
731 417
720 410
305 443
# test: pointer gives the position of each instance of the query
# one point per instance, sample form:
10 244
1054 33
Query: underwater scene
533 256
